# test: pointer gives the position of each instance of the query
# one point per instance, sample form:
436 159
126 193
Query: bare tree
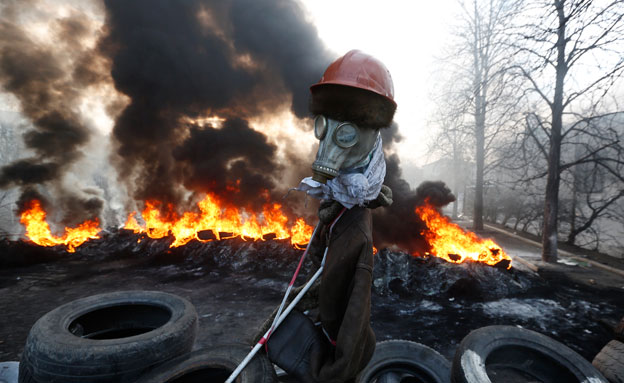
10 148
5 214
451 141
480 85
486 21
552 40
595 179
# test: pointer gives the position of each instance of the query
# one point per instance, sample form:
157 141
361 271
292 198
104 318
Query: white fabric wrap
351 189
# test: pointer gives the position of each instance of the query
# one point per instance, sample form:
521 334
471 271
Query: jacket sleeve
355 340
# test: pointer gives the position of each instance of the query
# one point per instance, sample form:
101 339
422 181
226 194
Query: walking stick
279 317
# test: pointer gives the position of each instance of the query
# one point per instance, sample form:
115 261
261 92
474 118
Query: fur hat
345 103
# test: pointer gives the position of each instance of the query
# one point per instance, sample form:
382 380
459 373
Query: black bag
292 343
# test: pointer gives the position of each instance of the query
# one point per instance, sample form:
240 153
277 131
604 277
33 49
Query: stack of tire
129 336
148 337
610 360
513 354
492 354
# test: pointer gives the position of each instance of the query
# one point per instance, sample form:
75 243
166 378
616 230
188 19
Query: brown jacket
345 299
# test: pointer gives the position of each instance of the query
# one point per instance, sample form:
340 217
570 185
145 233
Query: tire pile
610 360
129 336
148 337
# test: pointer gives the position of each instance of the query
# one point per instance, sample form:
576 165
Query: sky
409 37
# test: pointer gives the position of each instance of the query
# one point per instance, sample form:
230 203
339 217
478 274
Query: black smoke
28 172
398 224
184 60
179 62
288 45
233 160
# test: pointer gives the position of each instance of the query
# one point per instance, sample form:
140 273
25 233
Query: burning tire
610 361
405 361
213 365
111 337
510 354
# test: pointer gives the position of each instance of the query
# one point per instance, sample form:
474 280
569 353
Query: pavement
582 266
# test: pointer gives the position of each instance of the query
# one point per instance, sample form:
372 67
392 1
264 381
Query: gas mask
343 146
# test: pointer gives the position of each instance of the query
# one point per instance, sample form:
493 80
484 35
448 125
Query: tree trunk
479 89
575 180
551 201
455 203
525 226
456 175
465 202
480 157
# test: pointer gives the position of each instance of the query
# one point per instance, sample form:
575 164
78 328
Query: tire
111 337
610 361
405 361
619 330
24 375
213 365
508 353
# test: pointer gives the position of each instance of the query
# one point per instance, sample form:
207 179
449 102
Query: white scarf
351 188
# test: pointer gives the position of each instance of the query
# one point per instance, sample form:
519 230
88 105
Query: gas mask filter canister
343 147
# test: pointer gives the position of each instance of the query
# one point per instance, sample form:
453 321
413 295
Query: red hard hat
359 70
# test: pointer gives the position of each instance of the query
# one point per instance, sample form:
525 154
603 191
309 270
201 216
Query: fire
38 230
132 224
301 233
214 220
221 222
454 244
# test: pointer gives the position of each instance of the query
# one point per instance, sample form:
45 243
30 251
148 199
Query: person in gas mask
351 103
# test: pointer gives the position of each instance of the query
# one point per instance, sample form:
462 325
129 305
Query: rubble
235 284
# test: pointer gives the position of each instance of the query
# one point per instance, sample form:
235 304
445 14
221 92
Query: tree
595 175
555 42
10 148
450 141
481 88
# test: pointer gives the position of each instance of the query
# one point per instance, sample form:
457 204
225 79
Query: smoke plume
196 73
182 61
398 224
48 79
216 159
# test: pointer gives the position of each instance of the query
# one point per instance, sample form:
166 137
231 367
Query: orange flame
38 230
454 244
222 222
301 234
447 240
132 224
